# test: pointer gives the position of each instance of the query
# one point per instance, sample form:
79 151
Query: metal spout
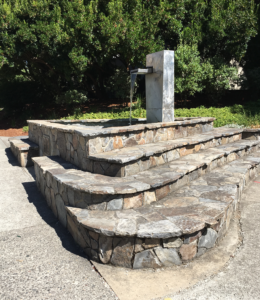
143 71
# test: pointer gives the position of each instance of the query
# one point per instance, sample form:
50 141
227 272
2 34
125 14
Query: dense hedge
78 49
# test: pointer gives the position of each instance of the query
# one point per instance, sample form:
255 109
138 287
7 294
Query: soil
13 132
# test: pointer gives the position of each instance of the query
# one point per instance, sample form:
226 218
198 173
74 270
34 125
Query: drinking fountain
159 86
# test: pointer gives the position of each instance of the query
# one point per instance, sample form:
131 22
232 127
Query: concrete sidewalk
38 257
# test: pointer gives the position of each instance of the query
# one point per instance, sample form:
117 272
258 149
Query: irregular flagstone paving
137 158
24 149
171 231
204 201
76 143
123 155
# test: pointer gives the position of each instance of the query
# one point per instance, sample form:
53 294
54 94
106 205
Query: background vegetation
68 51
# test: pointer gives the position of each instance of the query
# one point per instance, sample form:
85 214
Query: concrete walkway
38 257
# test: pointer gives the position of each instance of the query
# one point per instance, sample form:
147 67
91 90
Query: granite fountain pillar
160 87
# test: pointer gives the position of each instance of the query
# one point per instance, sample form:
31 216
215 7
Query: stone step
170 232
58 179
24 149
75 143
132 160
251 134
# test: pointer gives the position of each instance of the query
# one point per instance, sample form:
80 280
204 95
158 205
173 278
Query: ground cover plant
236 115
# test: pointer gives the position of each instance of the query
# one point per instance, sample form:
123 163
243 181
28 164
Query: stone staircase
154 205
137 158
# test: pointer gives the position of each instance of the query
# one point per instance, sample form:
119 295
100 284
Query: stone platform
146 195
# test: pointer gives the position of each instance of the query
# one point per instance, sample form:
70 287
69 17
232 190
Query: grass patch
242 115
25 128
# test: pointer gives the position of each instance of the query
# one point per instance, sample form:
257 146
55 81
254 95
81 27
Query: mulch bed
13 132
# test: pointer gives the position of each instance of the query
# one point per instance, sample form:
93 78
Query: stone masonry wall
133 252
146 163
76 148
112 142
251 134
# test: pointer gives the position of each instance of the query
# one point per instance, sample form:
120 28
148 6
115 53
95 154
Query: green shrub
218 79
118 84
65 45
190 72
72 98
16 94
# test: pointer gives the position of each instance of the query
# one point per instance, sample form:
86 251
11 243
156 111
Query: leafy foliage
72 97
68 45
190 72
15 94
219 78
195 75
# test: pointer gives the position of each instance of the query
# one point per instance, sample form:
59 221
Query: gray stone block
126 227
123 252
146 259
172 243
105 248
62 214
201 251
160 87
208 240
115 204
160 229
168 257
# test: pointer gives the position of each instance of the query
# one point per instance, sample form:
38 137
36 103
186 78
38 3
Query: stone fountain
159 82
158 193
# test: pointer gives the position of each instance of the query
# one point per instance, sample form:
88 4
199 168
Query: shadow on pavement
11 159
37 199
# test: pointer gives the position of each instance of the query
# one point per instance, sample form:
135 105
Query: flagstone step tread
174 170
157 182
194 207
23 143
24 149
128 154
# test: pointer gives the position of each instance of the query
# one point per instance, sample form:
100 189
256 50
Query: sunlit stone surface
160 87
